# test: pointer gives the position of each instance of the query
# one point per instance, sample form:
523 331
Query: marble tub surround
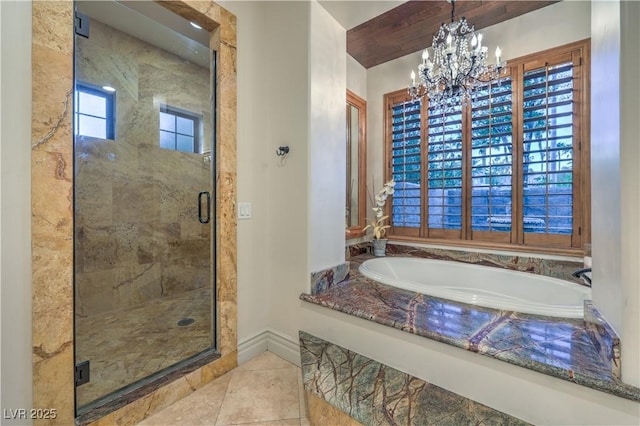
375 394
550 267
357 249
52 181
604 338
322 280
557 347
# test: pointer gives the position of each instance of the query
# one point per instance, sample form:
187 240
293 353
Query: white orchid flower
381 199
377 224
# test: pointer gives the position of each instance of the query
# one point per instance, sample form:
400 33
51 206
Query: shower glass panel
143 197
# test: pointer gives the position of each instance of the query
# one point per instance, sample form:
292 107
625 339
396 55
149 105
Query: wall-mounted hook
282 151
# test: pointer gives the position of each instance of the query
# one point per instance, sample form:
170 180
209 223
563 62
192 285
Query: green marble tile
375 394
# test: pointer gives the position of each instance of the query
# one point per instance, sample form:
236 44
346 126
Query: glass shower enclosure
144 256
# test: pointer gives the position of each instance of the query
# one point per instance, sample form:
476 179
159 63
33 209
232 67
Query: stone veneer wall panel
52 208
375 394
52 216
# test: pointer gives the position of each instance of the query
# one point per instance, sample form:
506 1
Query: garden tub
486 286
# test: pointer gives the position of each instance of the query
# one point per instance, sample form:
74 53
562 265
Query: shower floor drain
185 322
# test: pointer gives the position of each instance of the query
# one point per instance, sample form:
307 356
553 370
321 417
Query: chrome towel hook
282 151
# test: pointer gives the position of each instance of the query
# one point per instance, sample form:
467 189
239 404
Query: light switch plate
244 210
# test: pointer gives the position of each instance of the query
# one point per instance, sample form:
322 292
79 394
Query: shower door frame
52 214
119 395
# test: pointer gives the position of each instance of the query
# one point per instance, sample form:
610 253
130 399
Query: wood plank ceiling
410 26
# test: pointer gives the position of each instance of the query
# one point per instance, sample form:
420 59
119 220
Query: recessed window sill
350 233
556 347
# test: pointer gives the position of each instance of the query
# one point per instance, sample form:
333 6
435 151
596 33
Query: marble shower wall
137 232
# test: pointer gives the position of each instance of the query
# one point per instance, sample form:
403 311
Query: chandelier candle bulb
498 53
413 78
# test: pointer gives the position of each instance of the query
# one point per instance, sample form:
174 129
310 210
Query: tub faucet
582 273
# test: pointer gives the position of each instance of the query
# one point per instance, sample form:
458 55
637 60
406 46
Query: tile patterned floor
264 391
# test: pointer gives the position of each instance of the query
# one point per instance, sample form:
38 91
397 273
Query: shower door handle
204 218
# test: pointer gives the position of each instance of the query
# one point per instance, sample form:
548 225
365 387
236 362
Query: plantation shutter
444 171
406 164
491 161
507 168
548 152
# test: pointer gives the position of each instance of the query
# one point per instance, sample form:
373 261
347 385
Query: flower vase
380 247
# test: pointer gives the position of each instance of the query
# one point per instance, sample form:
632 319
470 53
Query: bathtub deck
557 347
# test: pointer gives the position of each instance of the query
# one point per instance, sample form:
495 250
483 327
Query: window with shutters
491 168
508 169
444 171
406 164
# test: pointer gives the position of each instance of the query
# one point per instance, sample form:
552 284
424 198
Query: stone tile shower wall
137 232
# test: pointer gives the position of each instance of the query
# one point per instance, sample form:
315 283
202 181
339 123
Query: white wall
254 157
301 66
356 77
605 160
327 140
15 207
614 169
287 109
630 188
551 26
273 111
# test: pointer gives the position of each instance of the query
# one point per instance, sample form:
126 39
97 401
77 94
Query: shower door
143 197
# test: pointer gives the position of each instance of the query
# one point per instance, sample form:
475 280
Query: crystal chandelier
459 65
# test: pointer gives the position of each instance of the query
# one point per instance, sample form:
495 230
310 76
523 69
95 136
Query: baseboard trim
284 346
252 347
272 341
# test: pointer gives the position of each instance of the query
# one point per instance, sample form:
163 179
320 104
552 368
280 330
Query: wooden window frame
579 54
360 104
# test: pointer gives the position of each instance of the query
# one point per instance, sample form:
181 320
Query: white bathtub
481 285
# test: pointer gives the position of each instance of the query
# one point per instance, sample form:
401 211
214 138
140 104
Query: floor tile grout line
226 389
